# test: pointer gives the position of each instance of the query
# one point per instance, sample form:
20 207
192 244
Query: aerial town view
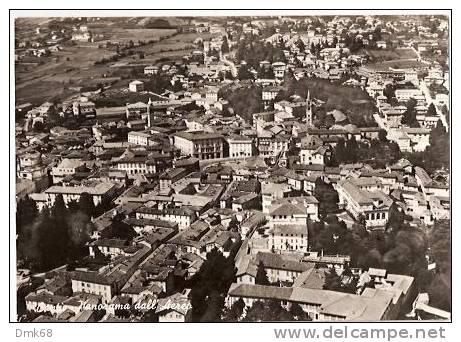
232 168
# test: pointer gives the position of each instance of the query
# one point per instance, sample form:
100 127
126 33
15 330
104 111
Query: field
123 35
390 54
49 78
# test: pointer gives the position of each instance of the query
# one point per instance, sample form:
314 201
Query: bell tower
308 109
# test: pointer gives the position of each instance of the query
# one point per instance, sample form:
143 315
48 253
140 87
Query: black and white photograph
230 167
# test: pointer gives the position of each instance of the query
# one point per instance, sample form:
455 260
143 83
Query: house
183 216
312 151
109 280
293 210
30 166
150 70
419 138
84 107
99 191
136 86
174 308
364 200
403 95
279 69
143 138
67 167
143 162
288 237
279 267
381 44
171 176
384 302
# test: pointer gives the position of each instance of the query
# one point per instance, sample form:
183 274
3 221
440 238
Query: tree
225 45
26 211
389 91
431 110
326 195
409 116
332 281
261 275
86 204
235 312
121 230
298 313
300 44
210 286
440 244
244 73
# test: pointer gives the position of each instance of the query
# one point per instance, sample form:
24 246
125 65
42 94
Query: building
419 138
240 146
67 167
109 280
136 86
279 69
293 238
99 191
279 267
171 176
183 216
312 152
140 138
31 167
174 308
84 107
292 210
384 302
403 95
364 201
199 144
151 70
143 162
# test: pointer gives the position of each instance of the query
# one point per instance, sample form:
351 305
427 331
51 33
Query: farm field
75 65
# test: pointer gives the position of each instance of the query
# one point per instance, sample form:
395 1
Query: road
429 100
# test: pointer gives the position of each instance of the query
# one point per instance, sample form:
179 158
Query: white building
98 192
67 167
364 202
240 146
136 86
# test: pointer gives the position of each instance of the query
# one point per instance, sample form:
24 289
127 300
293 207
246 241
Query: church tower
308 109
150 113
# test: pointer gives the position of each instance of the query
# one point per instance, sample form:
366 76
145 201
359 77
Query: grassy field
125 35
381 55
75 65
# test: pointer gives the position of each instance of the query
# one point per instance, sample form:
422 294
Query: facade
183 217
140 138
371 205
201 145
136 86
67 167
98 191
240 146
30 166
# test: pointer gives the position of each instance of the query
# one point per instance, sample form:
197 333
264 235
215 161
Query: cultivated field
53 77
